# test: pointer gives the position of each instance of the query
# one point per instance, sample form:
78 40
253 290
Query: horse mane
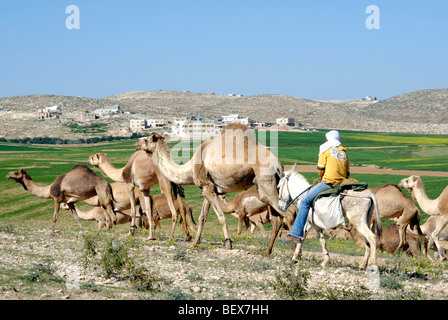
298 175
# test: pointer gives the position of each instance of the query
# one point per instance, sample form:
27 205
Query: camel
389 240
140 172
247 206
161 211
97 214
357 206
232 162
79 184
393 203
414 185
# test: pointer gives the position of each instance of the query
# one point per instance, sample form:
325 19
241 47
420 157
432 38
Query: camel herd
232 162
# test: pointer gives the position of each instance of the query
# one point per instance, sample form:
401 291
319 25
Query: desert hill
419 112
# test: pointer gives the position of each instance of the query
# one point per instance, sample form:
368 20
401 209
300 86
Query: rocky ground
39 263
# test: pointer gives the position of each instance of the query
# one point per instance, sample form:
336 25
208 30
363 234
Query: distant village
190 127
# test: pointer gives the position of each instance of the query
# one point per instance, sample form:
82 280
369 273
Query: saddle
326 207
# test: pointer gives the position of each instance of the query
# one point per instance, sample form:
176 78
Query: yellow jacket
333 165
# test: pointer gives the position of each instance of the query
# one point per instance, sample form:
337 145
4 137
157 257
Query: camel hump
82 167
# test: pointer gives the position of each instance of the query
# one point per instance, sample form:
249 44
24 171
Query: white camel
357 206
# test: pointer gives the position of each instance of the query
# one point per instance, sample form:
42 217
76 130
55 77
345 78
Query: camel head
18 176
409 183
64 206
97 159
149 144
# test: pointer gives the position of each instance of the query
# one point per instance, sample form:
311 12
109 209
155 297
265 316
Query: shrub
291 282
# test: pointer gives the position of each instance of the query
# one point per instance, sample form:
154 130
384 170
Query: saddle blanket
327 209
327 213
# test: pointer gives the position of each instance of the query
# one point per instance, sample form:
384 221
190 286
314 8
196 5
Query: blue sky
310 49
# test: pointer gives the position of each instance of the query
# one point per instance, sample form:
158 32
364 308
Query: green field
44 163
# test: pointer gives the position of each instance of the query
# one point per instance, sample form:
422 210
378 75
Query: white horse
357 207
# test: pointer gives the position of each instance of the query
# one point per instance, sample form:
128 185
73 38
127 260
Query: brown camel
232 162
393 203
162 211
247 206
414 184
79 184
389 240
140 172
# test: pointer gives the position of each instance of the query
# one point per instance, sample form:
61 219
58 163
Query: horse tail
378 224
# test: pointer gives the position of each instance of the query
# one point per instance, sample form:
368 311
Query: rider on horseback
333 166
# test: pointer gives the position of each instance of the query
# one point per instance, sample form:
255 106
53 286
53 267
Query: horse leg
370 246
323 244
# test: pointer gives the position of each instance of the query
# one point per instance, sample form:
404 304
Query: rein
287 186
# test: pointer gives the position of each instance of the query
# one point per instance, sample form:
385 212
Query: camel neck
108 170
428 205
41 192
85 215
179 174
226 205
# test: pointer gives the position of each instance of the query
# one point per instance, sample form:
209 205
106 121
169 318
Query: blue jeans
304 208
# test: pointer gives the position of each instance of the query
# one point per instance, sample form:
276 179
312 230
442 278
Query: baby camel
247 204
97 214
79 184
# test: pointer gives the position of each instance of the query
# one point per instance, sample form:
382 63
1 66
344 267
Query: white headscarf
332 141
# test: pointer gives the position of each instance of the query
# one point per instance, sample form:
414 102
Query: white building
155 123
137 125
53 109
186 129
107 111
236 118
285 122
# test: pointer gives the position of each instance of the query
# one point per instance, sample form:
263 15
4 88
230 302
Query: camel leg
165 188
202 219
276 222
190 221
434 237
57 203
72 208
260 226
216 204
148 211
423 239
401 226
133 208
105 200
323 244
